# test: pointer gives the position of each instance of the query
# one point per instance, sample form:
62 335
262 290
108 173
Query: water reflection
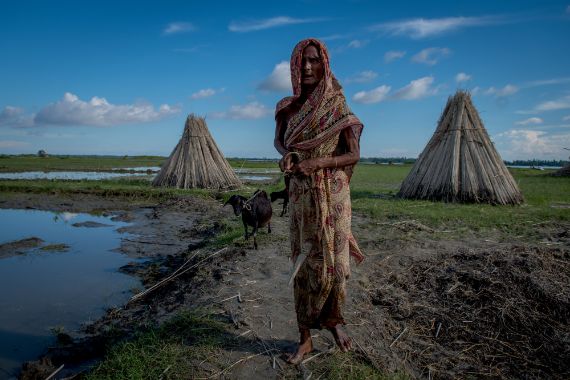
44 290
71 175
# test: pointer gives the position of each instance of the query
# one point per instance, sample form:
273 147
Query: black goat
255 211
283 194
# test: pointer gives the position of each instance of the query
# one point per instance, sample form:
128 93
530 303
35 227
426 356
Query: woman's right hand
286 163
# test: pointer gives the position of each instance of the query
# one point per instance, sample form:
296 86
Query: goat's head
237 202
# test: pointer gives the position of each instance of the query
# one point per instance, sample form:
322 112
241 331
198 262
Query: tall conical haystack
196 161
460 163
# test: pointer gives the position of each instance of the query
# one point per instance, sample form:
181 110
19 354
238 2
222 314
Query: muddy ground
432 307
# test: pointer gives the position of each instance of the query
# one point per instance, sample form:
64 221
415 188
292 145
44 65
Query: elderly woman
318 137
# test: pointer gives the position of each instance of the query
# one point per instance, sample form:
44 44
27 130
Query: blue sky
120 77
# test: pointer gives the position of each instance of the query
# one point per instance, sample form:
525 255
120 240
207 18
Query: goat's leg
245 228
269 227
283 211
255 235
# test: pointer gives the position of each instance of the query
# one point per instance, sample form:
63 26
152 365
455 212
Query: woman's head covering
327 101
297 63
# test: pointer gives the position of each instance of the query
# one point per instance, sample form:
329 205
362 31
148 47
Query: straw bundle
460 163
196 161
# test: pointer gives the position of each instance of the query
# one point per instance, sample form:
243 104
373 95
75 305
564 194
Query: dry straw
460 163
197 162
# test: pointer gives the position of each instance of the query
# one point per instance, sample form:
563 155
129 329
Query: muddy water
45 290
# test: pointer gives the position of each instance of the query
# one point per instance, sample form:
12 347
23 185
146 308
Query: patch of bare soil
19 247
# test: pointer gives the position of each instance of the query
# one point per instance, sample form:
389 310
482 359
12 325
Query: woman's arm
280 126
351 156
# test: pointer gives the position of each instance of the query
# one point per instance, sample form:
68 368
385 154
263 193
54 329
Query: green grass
179 345
20 163
374 188
75 163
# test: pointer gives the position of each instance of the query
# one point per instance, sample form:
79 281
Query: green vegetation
172 350
23 163
374 188
55 247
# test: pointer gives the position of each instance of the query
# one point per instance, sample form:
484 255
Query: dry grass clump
460 163
483 314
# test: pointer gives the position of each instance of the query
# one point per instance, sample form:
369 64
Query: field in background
374 186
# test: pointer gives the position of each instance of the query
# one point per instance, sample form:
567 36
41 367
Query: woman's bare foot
342 340
305 346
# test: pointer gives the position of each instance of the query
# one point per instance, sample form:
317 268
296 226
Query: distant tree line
536 162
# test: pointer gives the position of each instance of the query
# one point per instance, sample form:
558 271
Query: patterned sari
320 210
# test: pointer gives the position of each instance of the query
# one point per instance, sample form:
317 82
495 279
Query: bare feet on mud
342 340
305 346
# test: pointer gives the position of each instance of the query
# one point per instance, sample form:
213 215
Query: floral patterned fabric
320 209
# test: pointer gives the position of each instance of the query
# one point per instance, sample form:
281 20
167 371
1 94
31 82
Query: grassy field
373 192
74 163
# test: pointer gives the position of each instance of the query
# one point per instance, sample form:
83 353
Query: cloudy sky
120 77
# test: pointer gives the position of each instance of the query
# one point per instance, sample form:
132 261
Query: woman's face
312 67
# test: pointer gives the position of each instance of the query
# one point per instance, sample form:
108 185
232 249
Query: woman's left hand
307 167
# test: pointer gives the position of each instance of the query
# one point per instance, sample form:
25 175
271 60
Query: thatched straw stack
460 163
196 161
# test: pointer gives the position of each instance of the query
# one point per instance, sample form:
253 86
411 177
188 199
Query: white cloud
417 89
178 27
566 118
7 144
509 89
255 25
204 93
14 117
334 37
431 56
546 82
475 90
393 55
279 79
422 28
373 96
529 121
253 110
529 144
99 112
462 77
362 77
553 105
357 44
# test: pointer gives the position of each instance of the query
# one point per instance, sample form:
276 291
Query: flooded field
145 173
57 271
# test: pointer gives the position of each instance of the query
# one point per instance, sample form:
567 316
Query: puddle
47 289
71 175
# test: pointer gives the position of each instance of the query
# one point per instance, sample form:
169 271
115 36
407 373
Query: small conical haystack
196 161
460 163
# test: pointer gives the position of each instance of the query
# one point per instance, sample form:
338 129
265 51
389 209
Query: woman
318 137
